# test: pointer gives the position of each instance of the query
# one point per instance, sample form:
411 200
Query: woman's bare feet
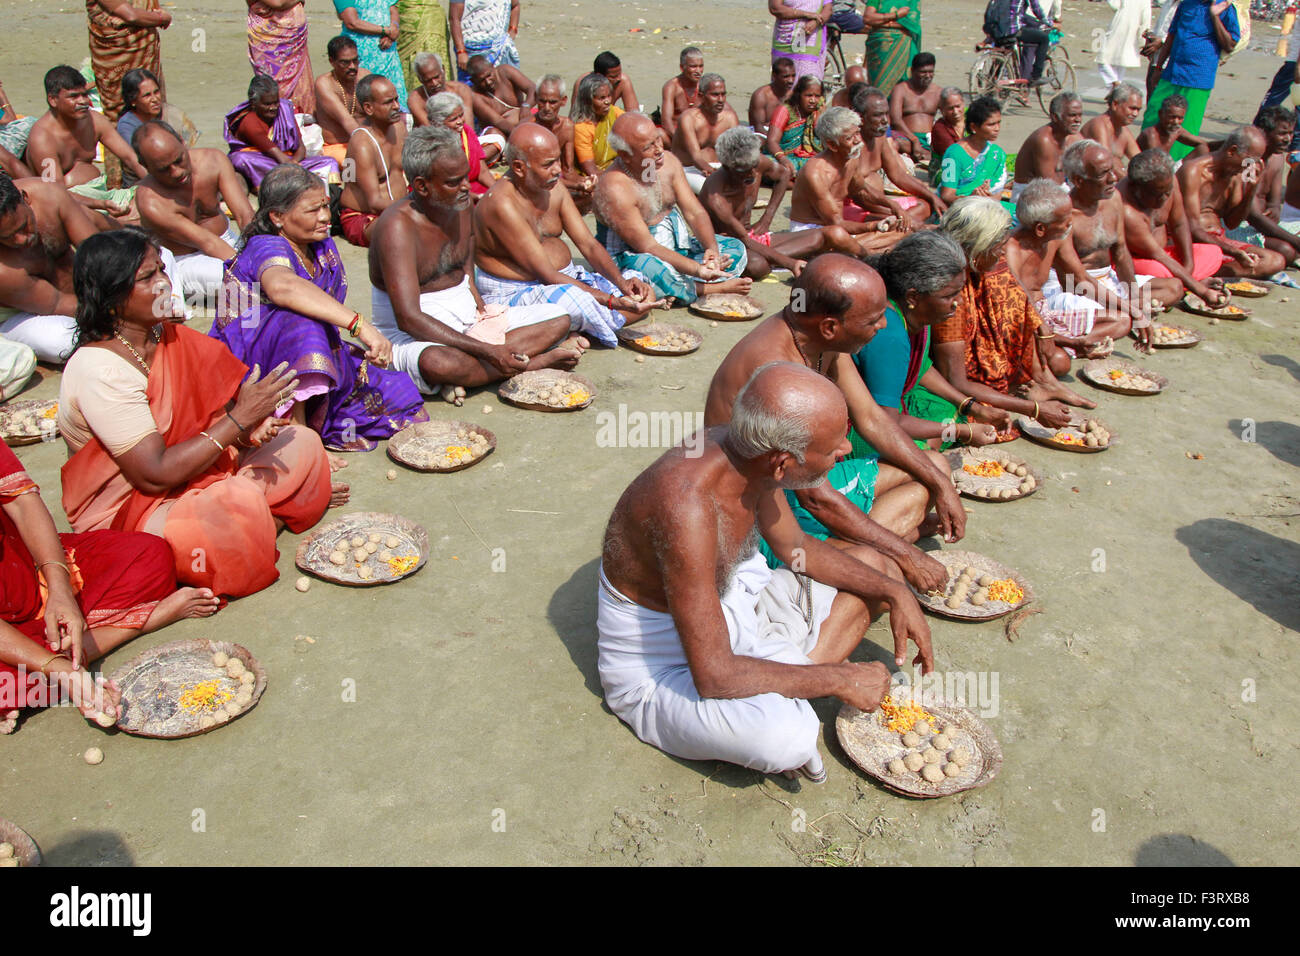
339 494
8 721
183 603
337 462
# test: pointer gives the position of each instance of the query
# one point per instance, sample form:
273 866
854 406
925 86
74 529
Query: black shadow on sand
1281 439
1179 849
89 848
1284 362
1258 567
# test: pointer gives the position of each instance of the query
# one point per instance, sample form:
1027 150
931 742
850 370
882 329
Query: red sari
221 524
119 579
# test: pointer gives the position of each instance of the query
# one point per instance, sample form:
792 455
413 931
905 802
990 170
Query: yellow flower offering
985 469
902 719
1068 438
577 398
403 563
1006 590
204 696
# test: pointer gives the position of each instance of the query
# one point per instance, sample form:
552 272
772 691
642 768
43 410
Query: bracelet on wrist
51 659
59 563
241 428
220 447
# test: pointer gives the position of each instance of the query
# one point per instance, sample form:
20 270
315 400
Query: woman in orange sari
164 438
68 599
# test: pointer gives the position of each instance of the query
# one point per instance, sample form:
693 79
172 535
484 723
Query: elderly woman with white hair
448 109
993 348
924 276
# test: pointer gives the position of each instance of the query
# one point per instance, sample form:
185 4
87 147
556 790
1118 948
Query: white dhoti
1058 300
695 176
804 226
771 615
17 362
199 276
51 337
454 308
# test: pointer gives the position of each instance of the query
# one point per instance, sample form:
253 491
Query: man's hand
952 516
983 188
922 571
709 273
908 624
862 685
640 290
798 267
1246 257
505 360
1054 414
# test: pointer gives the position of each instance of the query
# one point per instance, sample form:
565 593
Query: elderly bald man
520 252
836 307
180 203
650 220
705 652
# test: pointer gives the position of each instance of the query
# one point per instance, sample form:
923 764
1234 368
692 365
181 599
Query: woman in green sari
790 134
894 39
976 165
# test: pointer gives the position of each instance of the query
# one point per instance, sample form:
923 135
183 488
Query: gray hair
554 79
1149 165
979 223
689 52
1039 201
421 60
738 148
1062 102
757 428
922 262
442 106
708 79
425 145
280 191
262 86
1122 93
366 86
583 111
948 91
617 143
1240 139
836 123
1072 160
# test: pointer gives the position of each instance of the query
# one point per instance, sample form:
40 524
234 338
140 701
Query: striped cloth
593 318
673 233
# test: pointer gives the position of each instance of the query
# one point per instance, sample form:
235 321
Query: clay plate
727 307
954 561
521 391
416 444
629 336
9 429
1096 374
26 852
1042 435
970 456
314 550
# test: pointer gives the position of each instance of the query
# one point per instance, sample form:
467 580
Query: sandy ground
1145 715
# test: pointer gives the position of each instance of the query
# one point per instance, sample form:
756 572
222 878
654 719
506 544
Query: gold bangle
220 447
1035 411
52 657
59 563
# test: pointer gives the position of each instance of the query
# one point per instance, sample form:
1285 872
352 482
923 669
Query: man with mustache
698 129
522 258
62 145
338 111
880 161
422 297
1040 157
372 173
433 80
180 203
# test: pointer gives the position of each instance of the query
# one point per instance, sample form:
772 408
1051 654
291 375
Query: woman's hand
999 418
1054 414
982 189
981 434
379 350
259 397
64 622
265 430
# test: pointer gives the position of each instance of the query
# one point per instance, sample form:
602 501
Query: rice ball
931 773
913 761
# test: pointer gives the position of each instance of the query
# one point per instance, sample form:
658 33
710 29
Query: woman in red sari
163 436
68 599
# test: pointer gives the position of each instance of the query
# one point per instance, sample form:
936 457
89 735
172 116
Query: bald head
785 408
630 132
532 155
855 74
162 152
529 137
832 285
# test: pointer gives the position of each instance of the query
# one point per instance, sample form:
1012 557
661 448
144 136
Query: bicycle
832 81
996 72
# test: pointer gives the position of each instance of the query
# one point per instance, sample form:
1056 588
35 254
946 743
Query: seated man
765 100
337 109
1111 128
180 203
729 195
1026 21
522 259
682 91
702 651
1156 231
1040 157
1035 251
880 160
262 133
374 160
651 222
1264 225
611 68
550 100
837 306
422 298
62 145
698 129
912 105
429 71
40 224
1218 192
854 76
1168 130
830 190
501 94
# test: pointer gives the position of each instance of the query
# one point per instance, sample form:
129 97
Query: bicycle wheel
1004 75
981 80
1059 74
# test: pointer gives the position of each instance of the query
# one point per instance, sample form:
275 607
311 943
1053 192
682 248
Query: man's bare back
1040 156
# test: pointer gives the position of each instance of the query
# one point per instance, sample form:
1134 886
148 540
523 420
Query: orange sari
221 524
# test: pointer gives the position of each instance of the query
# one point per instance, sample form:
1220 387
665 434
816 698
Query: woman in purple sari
262 133
283 302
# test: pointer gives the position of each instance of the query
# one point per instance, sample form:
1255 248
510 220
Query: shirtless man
1219 192
765 100
611 68
1169 131
688 610
652 223
912 105
337 111
1278 126
836 307
682 91
1111 128
1040 157
428 69
40 223
550 99
1155 227
521 255
698 129
422 299
1034 252
62 145
502 95
372 177
729 195
853 76
180 203
880 158
831 181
